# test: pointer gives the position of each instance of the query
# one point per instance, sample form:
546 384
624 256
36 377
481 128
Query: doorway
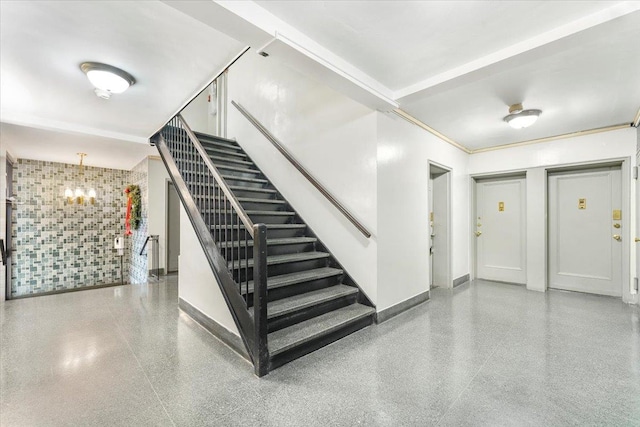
8 241
173 228
439 226
585 230
500 229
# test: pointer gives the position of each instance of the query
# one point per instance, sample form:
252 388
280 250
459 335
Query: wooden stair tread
301 333
289 279
299 302
274 242
284 259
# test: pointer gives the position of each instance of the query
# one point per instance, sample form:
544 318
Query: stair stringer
228 287
347 279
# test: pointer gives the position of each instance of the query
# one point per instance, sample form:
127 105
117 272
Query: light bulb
107 81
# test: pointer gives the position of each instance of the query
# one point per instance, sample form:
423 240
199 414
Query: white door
500 230
585 247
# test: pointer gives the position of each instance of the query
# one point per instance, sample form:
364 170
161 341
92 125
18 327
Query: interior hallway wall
59 245
3 213
535 159
138 268
403 156
332 136
157 211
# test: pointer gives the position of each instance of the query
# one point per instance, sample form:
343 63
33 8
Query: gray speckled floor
483 354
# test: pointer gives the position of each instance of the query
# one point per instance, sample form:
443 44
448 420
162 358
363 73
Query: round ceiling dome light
519 118
107 79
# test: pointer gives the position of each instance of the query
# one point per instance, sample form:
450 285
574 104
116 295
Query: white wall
196 283
157 213
197 114
3 213
332 136
403 154
535 159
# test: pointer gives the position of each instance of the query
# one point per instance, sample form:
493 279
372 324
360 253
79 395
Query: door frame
627 234
168 183
627 200
518 174
449 221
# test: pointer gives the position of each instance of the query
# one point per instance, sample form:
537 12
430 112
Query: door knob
478 233
617 237
637 240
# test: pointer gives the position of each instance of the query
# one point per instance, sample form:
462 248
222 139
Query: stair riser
246 173
271 250
255 194
258 206
233 180
228 161
272 219
221 152
299 288
296 352
276 323
220 145
289 267
271 234
264 218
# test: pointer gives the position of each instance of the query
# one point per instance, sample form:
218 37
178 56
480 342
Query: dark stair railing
215 212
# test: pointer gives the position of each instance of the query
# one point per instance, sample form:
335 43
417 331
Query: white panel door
585 247
440 231
501 230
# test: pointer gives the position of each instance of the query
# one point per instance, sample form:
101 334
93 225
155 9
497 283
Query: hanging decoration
134 209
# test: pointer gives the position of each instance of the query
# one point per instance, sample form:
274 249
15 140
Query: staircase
303 296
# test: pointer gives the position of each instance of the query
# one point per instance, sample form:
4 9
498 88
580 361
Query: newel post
261 352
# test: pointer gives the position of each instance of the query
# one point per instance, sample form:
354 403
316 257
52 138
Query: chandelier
78 196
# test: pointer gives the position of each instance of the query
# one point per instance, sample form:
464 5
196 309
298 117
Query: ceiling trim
408 117
513 51
636 120
553 138
59 126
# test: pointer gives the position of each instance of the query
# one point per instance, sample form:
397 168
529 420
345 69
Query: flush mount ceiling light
519 118
106 78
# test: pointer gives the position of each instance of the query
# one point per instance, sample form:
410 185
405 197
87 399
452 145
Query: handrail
301 169
144 246
4 253
214 171
217 217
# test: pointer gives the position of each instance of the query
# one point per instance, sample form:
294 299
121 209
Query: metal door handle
617 237
637 240
478 233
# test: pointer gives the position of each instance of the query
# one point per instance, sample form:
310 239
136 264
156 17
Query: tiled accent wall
138 271
59 245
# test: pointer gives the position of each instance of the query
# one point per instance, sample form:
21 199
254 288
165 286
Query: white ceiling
42 44
458 65
26 142
591 80
400 43
454 65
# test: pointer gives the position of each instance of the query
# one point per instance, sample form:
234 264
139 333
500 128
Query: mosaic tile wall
138 270
59 245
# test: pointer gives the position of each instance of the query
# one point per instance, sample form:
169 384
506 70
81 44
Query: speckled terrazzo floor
483 354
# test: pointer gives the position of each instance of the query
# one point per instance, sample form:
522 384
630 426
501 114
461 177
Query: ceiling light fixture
519 118
106 78
78 195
